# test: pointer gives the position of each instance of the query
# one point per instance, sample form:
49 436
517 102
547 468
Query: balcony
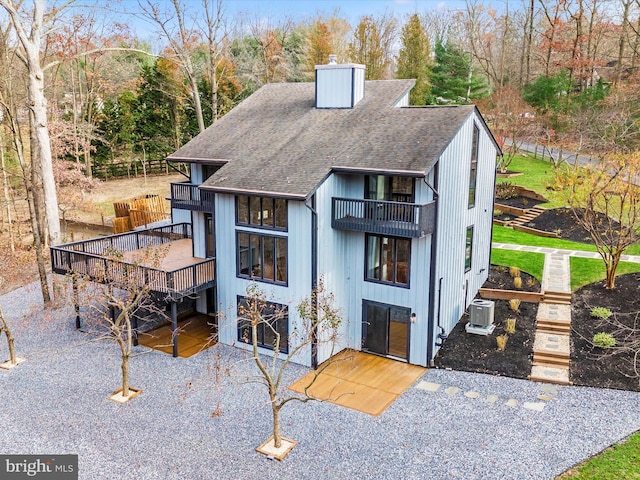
160 258
382 217
187 196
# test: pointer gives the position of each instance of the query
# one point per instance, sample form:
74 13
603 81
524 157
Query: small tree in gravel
122 295
320 323
605 200
4 328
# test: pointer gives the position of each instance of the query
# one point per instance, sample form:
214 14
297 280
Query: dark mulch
613 367
563 222
477 353
518 202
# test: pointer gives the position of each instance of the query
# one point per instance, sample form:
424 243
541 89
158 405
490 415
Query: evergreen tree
414 60
453 79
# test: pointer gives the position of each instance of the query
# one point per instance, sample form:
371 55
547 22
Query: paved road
544 152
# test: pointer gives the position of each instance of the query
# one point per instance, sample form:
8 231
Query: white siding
339 86
458 287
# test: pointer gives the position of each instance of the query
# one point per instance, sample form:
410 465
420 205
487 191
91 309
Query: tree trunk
125 375
7 199
4 327
611 264
277 435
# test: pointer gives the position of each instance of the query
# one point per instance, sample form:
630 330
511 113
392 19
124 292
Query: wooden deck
167 257
194 335
363 382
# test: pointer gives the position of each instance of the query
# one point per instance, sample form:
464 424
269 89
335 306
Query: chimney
339 85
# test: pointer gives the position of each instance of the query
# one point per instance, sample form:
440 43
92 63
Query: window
388 259
393 189
473 173
262 257
274 322
468 251
208 170
261 212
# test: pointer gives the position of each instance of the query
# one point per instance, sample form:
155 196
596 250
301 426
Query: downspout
432 273
311 205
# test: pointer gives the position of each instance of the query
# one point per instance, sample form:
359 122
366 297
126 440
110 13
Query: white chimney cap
333 59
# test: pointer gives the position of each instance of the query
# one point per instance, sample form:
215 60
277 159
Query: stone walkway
552 346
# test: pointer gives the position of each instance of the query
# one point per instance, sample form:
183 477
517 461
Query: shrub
510 326
514 304
517 283
506 190
601 312
501 340
604 340
514 272
497 213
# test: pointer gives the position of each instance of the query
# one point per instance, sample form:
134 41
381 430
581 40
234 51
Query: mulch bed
612 367
519 202
563 222
477 353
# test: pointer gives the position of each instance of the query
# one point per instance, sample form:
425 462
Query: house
391 205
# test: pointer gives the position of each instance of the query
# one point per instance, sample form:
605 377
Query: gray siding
341 262
230 286
458 287
339 86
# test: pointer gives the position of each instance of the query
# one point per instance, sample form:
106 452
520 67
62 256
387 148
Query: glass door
385 329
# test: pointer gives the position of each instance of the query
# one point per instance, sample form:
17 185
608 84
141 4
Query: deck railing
98 259
187 196
383 217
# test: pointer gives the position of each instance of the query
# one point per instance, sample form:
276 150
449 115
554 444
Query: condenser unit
481 313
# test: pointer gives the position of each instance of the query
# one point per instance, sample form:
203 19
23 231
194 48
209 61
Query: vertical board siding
199 238
229 286
341 262
458 287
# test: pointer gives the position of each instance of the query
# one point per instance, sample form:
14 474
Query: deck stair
529 215
557 298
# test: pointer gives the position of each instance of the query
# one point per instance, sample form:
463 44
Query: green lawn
621 461
529 262
538 175
588 270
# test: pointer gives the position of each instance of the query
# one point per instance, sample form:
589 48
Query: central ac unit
481 313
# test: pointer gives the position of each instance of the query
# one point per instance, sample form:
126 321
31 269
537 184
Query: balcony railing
382 217
187 196
99 260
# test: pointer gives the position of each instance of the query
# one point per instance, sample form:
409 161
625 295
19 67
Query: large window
473 173
388 259
262 257
273 322
468 250
261 212
393 189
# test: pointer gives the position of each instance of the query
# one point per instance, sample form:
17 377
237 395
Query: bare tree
4 328
30 35
320 323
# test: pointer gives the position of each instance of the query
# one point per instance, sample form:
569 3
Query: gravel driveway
56 403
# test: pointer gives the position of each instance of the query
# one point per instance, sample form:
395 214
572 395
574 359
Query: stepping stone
472 394
534 406
452 391
428 386
512 402
550 389
491 399
545 398
558 376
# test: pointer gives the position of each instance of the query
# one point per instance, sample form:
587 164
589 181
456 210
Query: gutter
310 203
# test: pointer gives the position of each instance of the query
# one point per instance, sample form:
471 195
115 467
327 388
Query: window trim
473 167
468 259
261 278
274 201
284 340
394 283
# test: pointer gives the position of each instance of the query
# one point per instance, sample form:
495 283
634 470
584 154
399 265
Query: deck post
76 300
174 327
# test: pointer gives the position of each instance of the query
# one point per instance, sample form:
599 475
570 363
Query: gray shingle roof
276 141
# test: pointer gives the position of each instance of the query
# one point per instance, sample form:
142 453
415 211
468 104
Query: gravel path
56 403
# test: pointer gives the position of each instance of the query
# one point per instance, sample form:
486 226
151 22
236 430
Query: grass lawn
621 461
538 175
507 235
589 270
529 262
